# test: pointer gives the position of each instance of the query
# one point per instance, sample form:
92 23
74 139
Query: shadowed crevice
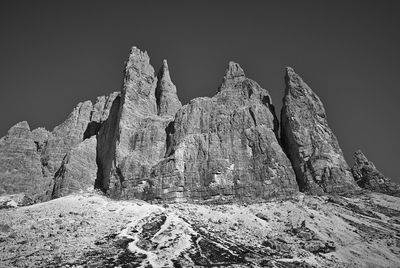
105 150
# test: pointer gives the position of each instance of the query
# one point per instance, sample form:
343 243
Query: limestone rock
309 142
83 122
29 160
133 139
167 100
20 167
369 177
223 148
40 137
78 169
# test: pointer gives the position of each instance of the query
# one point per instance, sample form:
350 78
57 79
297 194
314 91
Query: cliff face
224 147
142 143
20 167
369 177
309 142
134 138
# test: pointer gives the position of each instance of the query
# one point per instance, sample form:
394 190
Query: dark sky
54 54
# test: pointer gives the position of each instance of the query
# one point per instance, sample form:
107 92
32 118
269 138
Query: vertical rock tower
142 143
224 148
309 142
134 137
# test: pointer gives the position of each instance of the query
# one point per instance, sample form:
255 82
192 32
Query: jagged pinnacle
234 74
234 70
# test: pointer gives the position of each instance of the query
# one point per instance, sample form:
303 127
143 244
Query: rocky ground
90 230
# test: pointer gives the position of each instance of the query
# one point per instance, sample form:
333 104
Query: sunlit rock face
142 143
369 177
82 123
224 147
133 139
30 160
20 167
309 142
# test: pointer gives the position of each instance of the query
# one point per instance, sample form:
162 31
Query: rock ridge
143 143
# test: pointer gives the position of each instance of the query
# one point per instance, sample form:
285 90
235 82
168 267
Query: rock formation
20 167
223 147
309 142
78 169
83 122
167 100
134 137
30 160
369 177
142 143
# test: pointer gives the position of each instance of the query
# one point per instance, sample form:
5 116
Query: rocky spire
234 74
309 142
133 137
369 177
167 100
138 91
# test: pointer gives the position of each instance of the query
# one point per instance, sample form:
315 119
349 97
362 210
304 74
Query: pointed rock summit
224 148
139 83
309 142
142 143
369 177
167 100
234 75
134 137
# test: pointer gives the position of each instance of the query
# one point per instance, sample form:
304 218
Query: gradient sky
54 54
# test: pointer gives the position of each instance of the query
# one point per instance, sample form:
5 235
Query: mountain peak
234 74
234 70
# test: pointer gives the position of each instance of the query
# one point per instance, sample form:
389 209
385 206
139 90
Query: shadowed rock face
369 177
167 100
83 122
134 138
78 169
309 142
70 152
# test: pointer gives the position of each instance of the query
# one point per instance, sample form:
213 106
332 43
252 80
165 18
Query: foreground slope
90 230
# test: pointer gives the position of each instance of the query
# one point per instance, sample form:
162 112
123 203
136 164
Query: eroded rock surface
134 138
167 100
30 159
20 166
369 177
78 169
224 147
142 143
83 122
309 142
